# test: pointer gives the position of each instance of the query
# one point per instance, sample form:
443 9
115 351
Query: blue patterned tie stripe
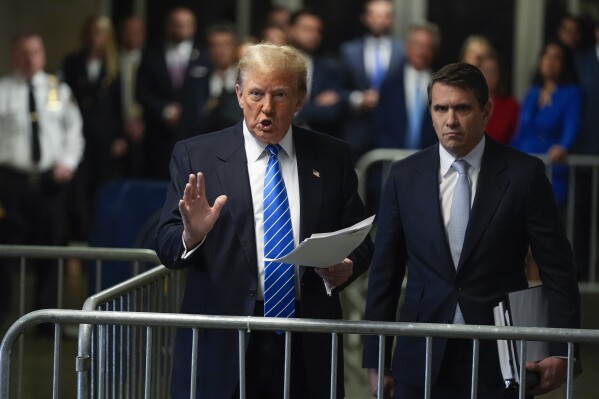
279 278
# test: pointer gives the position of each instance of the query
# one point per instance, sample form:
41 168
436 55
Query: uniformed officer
41 146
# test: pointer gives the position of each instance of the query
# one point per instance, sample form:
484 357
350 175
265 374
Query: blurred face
569 32
420 49
306 33
458 118
551 62
490 68
181 26
274 35
475 52
96 38
269 102
28 56
133 33
223 49
378 17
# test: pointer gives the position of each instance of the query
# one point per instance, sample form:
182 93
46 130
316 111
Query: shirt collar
474 157
254 148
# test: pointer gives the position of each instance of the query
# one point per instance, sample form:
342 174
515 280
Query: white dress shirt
222 81
257 157
177 55
59 120
385 47
448 177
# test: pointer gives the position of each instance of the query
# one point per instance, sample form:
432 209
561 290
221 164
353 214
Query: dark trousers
454 378
33 209
265 364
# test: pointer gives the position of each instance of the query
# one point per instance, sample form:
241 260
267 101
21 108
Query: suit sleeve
553 254
386 271
145 91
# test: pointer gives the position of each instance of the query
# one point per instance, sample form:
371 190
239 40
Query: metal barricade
109 361
244 325
576 164
25 253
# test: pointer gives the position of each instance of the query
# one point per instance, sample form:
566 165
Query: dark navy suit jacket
358 127
588 72
155 91
222 274
512 210
390 121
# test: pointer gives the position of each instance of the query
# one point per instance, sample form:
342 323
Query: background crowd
137 98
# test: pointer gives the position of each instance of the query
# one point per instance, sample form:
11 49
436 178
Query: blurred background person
274 34
504 117
368 61
42 145
587 66
132 35
222 108
550 113
474 49
322 106
569 32
92 74
401 118
172 87
278 16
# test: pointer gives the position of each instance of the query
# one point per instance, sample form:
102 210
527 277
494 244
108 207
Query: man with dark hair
459 218
172 87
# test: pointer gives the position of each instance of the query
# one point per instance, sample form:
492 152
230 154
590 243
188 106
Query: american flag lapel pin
315 173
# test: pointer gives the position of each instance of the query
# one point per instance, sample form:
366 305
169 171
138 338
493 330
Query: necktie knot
460 166
273 149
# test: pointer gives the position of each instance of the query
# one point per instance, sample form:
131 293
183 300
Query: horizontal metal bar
362 327
86 253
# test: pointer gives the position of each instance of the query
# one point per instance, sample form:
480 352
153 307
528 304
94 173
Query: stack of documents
328 249
525 308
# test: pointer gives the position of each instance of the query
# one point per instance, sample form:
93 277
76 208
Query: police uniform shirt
59 121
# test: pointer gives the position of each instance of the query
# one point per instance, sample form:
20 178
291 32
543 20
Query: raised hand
197 214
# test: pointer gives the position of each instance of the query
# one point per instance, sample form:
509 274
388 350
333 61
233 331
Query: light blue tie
458 219
415 118
279 278
378 73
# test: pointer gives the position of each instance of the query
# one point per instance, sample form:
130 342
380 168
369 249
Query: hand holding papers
328 249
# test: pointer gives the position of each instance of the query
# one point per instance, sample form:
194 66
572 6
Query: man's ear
239 92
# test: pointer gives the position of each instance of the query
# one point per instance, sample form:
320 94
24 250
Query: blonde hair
270 58
110 57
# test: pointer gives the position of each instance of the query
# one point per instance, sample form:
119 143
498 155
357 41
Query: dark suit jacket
325 76
588 72
390 121
222 274
155 91
358 127
512 210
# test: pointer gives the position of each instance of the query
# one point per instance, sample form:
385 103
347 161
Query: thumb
219 203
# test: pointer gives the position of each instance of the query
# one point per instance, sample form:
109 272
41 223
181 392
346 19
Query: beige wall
58 22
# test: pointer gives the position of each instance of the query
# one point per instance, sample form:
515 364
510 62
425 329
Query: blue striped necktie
279 278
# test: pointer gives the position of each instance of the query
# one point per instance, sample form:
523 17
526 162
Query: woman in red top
504 119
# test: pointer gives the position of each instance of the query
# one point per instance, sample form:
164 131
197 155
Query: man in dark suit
172 87
322 107
460 262
368 61
401 119
223 246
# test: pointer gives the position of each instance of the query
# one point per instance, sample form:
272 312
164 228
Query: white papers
328 249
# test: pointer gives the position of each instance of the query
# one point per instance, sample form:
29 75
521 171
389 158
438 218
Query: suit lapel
426 187
233 174
492 184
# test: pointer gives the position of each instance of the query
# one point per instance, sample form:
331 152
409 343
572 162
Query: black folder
524 308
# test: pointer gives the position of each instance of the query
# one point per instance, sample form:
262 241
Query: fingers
338 274
218 204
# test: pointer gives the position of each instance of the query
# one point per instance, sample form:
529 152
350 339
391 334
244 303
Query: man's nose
452 119
267 105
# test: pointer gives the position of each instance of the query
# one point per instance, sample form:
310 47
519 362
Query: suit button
252 292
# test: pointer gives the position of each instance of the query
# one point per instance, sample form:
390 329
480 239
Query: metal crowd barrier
575 163
24 253
110 361
244 325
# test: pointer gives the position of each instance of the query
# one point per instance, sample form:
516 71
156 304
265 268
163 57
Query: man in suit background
401 119
223 246
368 61
460 262
322 106
172 87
